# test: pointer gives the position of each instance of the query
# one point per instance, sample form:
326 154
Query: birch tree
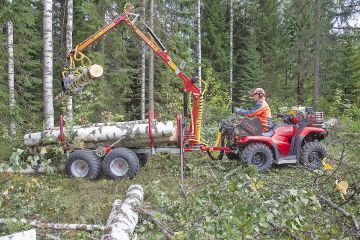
151 64
199 37
11 76
143 71
231 49
48 66
317 52
69 30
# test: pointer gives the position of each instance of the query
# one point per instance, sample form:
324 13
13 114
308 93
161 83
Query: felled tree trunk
123 217
28 170
135 133
88 74
58 226
28 235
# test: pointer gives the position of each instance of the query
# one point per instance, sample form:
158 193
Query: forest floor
57 198
219 200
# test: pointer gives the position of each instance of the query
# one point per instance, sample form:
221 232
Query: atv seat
279 125
268 133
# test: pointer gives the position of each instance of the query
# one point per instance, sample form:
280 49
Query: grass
57 198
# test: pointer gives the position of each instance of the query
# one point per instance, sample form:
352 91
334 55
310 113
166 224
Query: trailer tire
312 154
258 154
83 164
143 158
120 163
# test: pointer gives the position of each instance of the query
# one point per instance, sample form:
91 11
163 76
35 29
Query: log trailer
119 148
120 158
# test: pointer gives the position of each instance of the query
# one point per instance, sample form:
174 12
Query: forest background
302 52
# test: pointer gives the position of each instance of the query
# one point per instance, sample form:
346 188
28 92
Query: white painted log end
96 71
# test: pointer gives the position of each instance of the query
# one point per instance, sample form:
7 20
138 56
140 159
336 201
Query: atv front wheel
121 163
312 154
258 154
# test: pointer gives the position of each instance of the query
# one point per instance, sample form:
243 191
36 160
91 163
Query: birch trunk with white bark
317 52
48 66
11 76
57 226
69 30
24 235
135 133
151 65
143 72
199 38
123 218
231 49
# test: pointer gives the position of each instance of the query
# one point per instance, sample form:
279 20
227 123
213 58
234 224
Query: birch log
58 226
133 133
77 82
123 217
25 235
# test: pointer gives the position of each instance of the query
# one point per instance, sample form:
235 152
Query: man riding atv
255 141
261 110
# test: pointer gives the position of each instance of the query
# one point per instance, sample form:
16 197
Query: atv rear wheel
258 154
83 164
121 163
312 154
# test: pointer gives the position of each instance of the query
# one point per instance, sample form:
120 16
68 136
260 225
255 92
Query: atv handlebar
287 118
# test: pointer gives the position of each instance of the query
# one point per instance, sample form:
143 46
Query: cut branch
330 203
169 234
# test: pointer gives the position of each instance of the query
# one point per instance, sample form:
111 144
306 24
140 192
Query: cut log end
96 71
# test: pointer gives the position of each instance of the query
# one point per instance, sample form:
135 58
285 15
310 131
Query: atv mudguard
297 142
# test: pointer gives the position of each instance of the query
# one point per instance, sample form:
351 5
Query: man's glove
238 110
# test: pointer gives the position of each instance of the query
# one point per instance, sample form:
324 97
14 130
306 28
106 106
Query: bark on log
58 226
88 74
28 170
123 217
27 235
133 134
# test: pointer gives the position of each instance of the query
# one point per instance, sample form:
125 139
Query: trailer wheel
143 158
312 154
83 164
259 155
120 163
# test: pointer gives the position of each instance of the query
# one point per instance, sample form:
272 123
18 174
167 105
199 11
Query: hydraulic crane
238 138
192 135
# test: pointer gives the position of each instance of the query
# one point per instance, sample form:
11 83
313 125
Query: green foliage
21 159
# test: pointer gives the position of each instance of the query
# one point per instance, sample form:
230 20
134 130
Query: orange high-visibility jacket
261 111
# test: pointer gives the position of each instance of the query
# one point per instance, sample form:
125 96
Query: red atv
298 139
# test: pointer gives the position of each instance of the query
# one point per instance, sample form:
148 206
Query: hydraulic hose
199 117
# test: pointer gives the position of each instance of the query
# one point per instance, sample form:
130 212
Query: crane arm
150 39
154 43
